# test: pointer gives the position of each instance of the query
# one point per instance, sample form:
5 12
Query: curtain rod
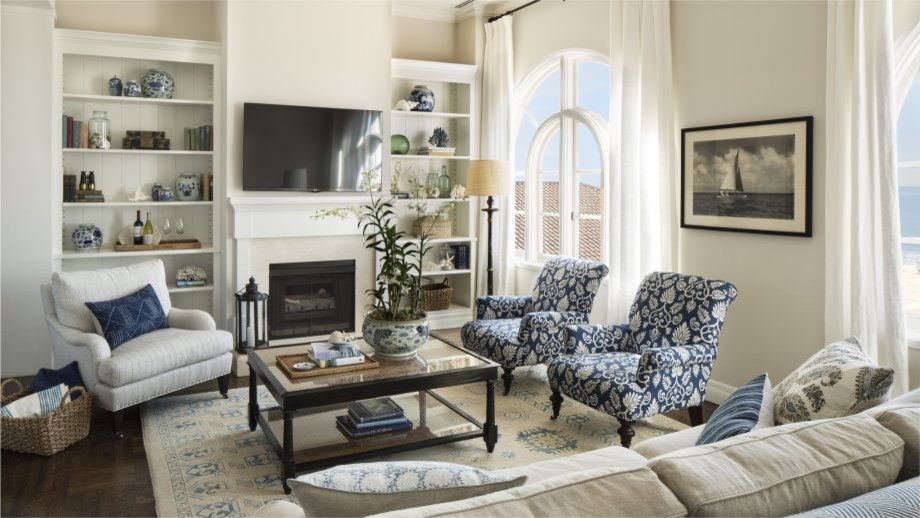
516 9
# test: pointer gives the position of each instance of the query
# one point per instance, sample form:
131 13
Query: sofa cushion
785 469
606 491
905 421
837 381
378 487
667 443
279 509
161 351
72 290
897 500
749 407
612 456
128 317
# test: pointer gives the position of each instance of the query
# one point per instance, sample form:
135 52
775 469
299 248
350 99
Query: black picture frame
732 209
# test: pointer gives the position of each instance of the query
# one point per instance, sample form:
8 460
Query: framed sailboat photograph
748 177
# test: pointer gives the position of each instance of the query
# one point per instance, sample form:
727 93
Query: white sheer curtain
495 144
641 201
863 291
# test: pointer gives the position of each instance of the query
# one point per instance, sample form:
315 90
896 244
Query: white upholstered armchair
191 350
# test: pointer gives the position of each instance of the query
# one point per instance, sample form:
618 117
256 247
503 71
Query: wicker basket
50 433
437 296
438 227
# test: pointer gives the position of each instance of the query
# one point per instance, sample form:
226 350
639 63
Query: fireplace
311 299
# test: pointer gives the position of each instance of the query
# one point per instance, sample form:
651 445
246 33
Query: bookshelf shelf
109 252
428 157
429 115
135 151
149 203
136 100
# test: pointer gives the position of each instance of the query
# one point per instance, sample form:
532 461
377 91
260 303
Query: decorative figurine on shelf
439 138
139 195
188 187
132 88
458 192
86 237
422 95
191 277
404 105
115 86
399 144
165 194
157 83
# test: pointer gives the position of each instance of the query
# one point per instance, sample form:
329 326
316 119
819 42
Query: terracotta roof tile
590 200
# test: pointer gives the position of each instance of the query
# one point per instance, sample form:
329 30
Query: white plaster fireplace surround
270 230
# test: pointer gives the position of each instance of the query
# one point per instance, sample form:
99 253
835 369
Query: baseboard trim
717 392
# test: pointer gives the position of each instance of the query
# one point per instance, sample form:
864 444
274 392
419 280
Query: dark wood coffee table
304 417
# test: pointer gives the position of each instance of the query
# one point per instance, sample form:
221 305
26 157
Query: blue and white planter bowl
157 83
86 237
395 340
422 95
132 88
188 187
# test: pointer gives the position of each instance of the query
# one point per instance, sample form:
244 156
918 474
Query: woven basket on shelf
50 433
437 296
436 227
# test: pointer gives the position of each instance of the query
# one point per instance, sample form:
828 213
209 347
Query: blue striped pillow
749 407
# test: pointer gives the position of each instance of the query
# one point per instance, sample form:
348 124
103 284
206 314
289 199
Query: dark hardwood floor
102 475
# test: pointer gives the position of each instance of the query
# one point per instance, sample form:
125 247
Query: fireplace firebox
310 299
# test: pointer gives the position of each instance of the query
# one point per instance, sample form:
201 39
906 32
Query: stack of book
74 133
329 355
200 138
437 151
372 417
70 187
88 196
461 256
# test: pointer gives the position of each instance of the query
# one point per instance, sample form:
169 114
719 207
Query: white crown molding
432 70
447 13
33 8
105 39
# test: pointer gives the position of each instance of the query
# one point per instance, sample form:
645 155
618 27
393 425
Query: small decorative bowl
303 366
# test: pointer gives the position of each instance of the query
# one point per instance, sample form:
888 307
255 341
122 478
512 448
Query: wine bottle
148 231
138 229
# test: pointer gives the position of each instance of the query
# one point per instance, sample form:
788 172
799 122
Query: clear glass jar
431 184
444 183
100 131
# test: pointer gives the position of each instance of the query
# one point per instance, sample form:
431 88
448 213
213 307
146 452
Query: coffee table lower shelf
317 443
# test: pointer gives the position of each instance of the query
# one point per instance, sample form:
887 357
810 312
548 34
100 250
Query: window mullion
567 187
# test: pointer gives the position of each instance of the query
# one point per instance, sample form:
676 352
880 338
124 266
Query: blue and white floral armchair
659 361
519 331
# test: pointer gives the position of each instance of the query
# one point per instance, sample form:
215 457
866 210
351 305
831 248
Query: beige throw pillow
837 381
905 421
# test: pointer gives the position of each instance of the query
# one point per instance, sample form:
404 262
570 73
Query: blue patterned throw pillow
130 316
749 407
379 487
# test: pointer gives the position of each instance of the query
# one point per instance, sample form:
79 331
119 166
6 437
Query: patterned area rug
204 461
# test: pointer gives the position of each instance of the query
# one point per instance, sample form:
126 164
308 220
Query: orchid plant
397 295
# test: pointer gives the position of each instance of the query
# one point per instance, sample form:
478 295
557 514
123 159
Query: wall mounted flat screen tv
306 148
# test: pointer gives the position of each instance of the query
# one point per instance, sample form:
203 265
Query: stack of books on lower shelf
372 417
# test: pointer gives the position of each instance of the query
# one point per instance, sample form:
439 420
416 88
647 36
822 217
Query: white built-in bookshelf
454 91
84 62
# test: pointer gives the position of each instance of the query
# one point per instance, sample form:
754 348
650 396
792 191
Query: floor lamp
489 178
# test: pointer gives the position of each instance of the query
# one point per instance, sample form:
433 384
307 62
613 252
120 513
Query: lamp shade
489 178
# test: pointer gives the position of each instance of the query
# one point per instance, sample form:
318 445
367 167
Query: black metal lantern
249 302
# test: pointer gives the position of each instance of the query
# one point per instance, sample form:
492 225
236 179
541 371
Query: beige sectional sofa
772 471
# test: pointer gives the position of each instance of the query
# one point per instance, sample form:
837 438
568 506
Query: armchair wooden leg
118 423
696 415
556 399
626 432
223 385
507 378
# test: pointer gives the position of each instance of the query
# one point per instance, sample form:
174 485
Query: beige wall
424 39
186 19
747 61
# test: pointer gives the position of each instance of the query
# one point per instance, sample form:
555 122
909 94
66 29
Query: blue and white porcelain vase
115 86
86 237
157 83
188 187
132 88
422 95
395 339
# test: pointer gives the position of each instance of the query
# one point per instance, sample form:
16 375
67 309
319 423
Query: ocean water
756 205
910 221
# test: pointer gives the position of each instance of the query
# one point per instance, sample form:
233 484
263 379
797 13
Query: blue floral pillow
749 407
379 487
130 316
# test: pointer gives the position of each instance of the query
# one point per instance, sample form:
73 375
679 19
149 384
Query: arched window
561 159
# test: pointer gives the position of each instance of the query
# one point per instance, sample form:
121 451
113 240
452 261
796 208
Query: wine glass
180 227
167 228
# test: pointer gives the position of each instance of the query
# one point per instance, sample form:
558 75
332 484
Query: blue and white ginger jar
395 339
86 237
132 88
188 187
115 86
422 95
157 83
